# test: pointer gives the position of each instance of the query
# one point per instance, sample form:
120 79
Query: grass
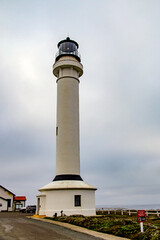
118 225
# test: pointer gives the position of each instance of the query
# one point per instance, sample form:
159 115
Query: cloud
119 95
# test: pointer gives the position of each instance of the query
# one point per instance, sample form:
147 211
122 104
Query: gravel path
15 226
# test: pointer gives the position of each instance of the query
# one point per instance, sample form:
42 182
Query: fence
129 212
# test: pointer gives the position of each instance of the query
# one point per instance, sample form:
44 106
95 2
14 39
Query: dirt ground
16 226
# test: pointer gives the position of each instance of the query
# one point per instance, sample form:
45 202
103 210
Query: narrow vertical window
56 131
77 200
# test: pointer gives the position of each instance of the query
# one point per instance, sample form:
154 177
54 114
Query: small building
19 202
6 199
9 201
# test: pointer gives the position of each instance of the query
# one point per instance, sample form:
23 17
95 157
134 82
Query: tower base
66 198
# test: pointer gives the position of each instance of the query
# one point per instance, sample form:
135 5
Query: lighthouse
67 193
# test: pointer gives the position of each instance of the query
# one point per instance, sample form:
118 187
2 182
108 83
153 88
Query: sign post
141 218
141 226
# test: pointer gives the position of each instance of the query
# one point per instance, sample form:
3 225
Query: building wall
67 139
3 205
56 201
67 70
7 195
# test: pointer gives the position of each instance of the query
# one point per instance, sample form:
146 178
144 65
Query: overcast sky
119 95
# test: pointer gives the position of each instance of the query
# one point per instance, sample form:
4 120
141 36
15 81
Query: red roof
20 198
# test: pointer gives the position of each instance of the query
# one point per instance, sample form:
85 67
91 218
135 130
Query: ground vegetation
118 225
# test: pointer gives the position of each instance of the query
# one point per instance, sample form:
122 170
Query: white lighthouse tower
67 193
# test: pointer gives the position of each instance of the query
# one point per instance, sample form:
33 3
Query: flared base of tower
69 197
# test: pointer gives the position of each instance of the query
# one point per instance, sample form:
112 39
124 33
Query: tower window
77 200
56 131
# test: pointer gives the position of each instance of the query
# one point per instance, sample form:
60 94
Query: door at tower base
66 201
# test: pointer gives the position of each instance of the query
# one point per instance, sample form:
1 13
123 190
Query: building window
77 200
56 131
18 206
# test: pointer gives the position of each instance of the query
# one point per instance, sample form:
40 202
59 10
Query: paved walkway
15 226
96 235
20 226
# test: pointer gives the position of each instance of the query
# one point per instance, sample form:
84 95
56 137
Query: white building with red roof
19 202
9 201
6 199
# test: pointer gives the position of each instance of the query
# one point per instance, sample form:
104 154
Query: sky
119 95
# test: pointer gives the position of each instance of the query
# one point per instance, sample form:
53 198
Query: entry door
38 205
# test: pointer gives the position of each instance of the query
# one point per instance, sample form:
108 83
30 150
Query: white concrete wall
67 70
53 200
57 200
3 205
7 195
67 151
